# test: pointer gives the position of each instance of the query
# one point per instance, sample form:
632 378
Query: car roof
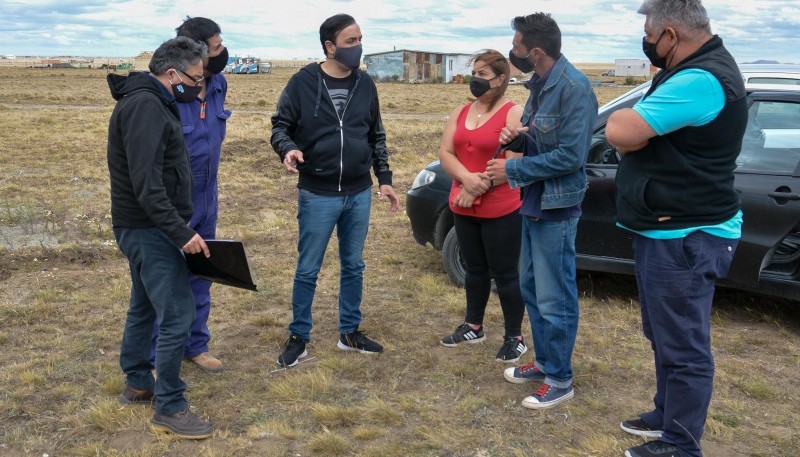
749 70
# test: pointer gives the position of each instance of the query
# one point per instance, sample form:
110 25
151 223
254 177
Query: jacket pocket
546 131
357 157
223 116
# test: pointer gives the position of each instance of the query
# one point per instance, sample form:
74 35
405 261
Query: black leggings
490 249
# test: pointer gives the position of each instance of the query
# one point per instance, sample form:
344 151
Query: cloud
593 30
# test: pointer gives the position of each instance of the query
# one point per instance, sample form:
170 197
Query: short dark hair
331 28
179 53
539 30
198 28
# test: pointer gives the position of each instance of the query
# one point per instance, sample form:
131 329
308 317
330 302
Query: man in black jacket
675 192
328 129
151 189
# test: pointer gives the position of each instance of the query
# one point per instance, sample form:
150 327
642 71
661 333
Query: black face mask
650 52
217 63
522 63
479 86
349 57
184 93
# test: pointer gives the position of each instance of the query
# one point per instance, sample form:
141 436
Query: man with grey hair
675 193
151 185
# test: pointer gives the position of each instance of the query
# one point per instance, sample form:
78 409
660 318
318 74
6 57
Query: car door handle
785 195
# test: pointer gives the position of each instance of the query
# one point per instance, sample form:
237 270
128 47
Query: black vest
685 178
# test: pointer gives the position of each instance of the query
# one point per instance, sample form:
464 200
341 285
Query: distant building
423 66
632 67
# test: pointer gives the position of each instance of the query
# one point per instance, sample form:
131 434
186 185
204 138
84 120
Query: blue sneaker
547 396
523 374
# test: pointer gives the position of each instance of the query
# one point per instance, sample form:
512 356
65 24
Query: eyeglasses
196 81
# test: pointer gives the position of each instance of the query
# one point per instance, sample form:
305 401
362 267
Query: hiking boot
207 362
547 396
513 348
131 396
523 373
464 333
184 424
357 341
293 350
656 448
639 427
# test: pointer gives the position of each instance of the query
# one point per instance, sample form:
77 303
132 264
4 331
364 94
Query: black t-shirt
339 89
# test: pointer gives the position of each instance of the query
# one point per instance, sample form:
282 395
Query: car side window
771 142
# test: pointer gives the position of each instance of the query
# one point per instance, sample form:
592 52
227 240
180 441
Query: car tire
451 258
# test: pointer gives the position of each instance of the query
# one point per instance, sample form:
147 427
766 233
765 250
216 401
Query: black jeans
490 249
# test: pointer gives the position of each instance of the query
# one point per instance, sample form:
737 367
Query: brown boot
207 362
131 396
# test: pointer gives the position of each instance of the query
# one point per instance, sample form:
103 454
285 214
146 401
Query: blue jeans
676 288
317 215
547 279
159 293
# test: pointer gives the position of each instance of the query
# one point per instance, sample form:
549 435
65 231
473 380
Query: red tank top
474 148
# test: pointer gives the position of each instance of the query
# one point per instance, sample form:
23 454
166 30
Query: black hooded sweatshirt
151 180
338 150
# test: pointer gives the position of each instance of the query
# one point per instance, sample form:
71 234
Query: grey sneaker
463 334
523 373
131 396
184 424
547 396
639 427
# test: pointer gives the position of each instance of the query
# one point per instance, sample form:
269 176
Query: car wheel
451 258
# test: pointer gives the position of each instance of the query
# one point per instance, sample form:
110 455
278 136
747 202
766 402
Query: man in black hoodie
151 187
328 129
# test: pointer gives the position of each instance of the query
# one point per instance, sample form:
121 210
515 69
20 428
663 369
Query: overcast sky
593 31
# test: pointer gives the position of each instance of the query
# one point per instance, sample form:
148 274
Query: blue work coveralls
203 123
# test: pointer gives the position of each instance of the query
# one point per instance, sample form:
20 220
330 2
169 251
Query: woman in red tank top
485 213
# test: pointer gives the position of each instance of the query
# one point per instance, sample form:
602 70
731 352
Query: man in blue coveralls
203 123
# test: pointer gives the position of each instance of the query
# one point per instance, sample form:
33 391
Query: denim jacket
562 128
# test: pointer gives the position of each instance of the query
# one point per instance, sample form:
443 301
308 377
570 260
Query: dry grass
64 290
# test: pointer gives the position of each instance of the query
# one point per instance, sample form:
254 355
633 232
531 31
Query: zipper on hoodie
341 125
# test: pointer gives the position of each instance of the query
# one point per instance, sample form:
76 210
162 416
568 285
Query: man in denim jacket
560 115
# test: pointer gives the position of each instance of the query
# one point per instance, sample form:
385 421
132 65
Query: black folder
227 265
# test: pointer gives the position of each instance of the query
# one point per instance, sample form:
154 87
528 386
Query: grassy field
64 291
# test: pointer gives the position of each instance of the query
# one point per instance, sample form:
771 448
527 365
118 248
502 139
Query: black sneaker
131 396
513 348
293 350
464 333
357 341
639 427
656 448
184 424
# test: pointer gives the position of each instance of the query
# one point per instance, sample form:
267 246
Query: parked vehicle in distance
767 177
245 65
608 73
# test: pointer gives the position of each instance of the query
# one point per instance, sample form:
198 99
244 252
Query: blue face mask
349 57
